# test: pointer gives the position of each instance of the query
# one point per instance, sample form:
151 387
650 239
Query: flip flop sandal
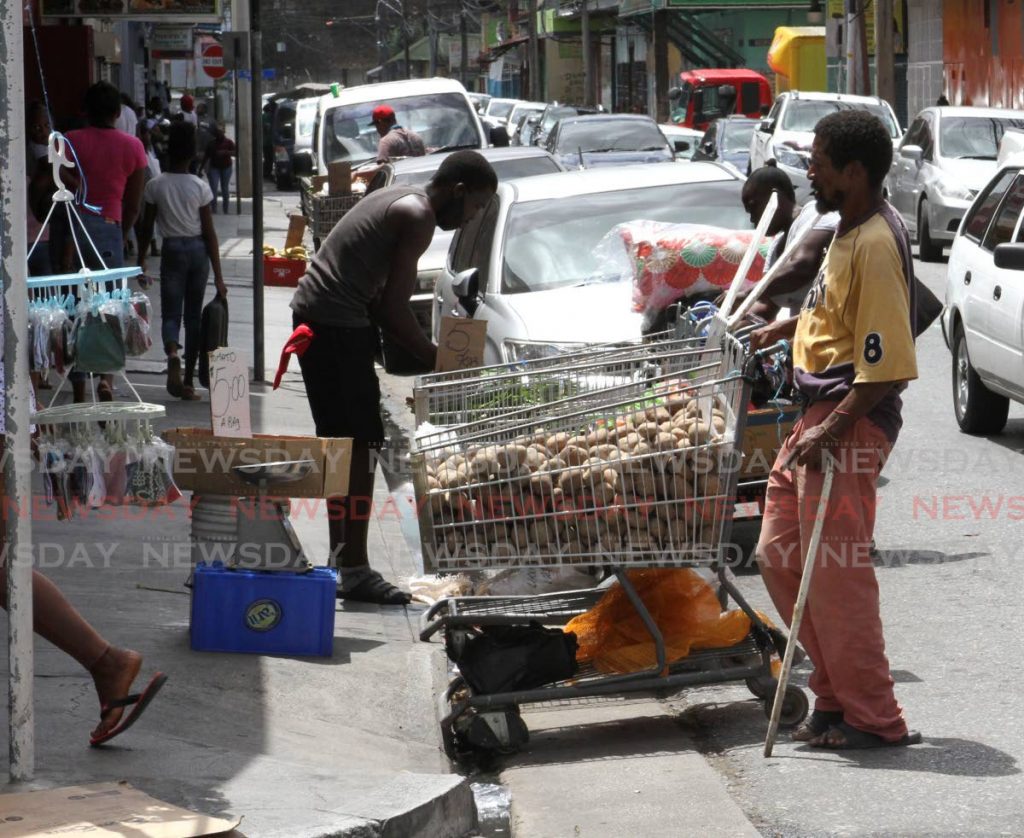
174 383
139 700
104 392
817 724
861 740
376 589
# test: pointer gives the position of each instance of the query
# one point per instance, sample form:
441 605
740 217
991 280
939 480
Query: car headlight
948 187
528 350
795 158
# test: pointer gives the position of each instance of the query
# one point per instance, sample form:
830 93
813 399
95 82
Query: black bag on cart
512 658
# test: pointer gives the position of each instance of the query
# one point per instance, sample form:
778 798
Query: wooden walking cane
798 607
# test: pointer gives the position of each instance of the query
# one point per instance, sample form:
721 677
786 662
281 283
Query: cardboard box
203 463
296 230
102 810
282 273
761 439
339 179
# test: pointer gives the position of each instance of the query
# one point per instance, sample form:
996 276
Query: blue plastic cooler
263 612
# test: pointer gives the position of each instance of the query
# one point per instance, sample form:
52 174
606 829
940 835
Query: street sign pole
256 66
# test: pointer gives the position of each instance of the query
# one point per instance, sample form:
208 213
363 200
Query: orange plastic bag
685 608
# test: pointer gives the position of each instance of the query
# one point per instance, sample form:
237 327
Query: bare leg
55 619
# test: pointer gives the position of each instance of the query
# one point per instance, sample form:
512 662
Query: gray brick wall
925 81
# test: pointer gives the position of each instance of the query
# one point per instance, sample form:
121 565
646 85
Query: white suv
983 321
786 134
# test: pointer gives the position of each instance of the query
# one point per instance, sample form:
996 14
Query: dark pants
344 397
184 271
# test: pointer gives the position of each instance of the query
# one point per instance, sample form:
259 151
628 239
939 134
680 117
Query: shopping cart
640 471
323 211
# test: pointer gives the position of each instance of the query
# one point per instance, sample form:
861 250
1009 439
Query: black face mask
449 214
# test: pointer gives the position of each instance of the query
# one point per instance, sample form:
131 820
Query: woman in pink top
112 169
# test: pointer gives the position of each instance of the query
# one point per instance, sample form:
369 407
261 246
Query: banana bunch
298 252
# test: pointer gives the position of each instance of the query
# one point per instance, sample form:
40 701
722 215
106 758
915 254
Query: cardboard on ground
339 178
103 810
461 344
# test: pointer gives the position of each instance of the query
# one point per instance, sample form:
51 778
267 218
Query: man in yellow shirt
853 354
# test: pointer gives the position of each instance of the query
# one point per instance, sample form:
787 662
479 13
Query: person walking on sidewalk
181 203
112 169
217 162
853 354
360 279
395 141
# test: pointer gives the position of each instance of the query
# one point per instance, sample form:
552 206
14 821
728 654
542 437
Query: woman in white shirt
181 202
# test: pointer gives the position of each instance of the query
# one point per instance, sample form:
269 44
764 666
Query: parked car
439 110
728 141
542 125
479 101
586 142
294 122
684 141
983 321
508 164
500 109
786 134
517 118
543 288
945 158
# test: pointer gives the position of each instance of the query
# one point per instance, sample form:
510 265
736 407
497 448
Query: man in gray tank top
360 280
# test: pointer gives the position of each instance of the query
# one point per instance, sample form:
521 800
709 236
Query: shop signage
171 42
194 11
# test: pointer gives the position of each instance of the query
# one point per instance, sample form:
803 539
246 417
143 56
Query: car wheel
928 249
978 410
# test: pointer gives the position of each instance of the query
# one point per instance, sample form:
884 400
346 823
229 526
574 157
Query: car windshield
804 114
500 110
441 119
610 135
973 137
550 243
738 136
508 169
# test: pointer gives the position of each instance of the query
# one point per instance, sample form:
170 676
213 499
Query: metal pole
238 126
885 71
17 460
850 44
588 55
405 42
464 46
256 68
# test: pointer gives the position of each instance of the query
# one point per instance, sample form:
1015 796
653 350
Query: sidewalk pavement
346 745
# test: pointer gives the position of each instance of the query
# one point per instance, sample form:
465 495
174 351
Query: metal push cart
655 489
323 211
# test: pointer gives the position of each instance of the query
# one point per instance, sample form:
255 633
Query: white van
439 110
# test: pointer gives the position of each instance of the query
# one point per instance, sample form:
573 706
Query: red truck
704 95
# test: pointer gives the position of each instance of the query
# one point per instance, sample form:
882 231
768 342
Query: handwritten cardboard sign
229 393
461 344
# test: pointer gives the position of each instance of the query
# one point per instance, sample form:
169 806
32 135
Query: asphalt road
949 531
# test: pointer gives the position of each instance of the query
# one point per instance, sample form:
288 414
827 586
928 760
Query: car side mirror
674 93
767 126
708 147
1010 257
681 146
499 136
912 152
302 164
466 287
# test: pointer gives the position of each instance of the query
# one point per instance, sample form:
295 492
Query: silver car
945 158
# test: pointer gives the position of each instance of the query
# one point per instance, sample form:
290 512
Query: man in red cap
188 105
395 141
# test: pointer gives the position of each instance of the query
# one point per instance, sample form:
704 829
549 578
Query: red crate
282 272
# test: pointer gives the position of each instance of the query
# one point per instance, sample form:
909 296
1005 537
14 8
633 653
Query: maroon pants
841 628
